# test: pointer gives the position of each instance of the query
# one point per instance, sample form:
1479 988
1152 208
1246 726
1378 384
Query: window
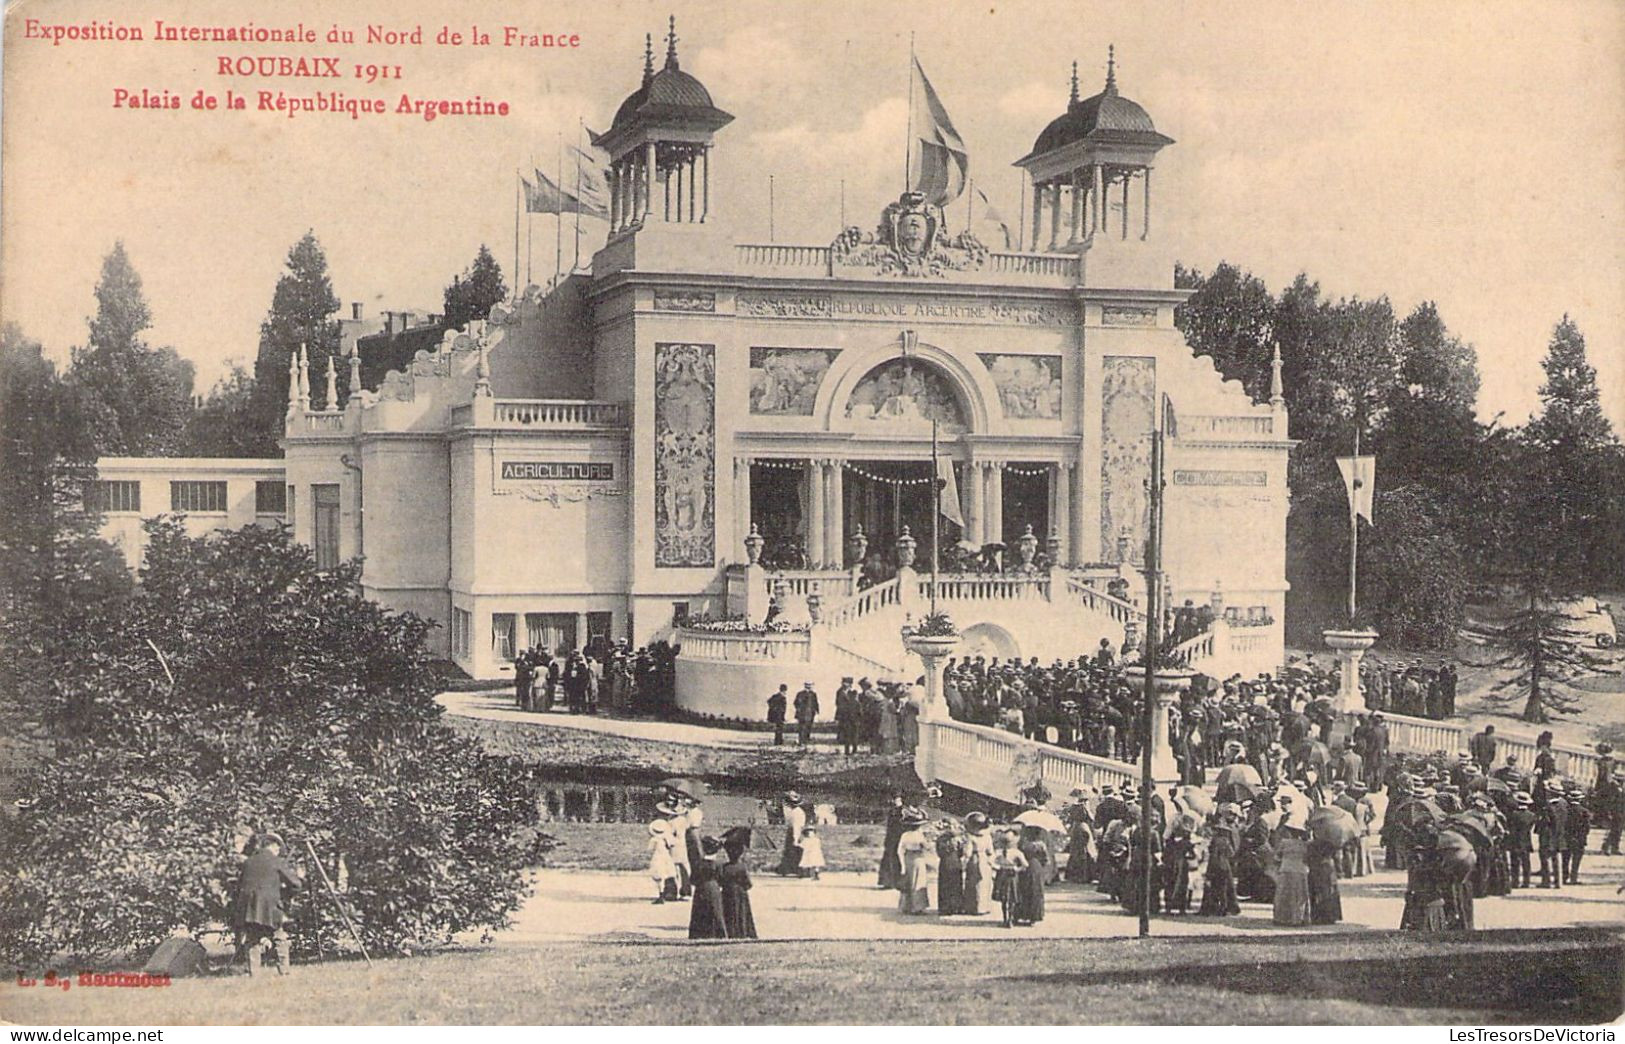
270 498
462 626
551 632
502 625
197 496
114 495
325 497
599 626
679 614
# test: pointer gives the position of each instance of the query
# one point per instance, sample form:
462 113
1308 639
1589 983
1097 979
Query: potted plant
934 635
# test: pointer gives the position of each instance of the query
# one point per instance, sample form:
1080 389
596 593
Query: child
1008 863
661 865
812 852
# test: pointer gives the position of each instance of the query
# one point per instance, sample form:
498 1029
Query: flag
948 499
990 216
1359 478
592 187
544 197
939 161
1170 420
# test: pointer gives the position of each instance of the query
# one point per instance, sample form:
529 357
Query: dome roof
1107 114
668 94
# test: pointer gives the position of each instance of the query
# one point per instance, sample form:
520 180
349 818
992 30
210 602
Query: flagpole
558 219
970 194
1354 518
580 130
770 208
936 509
908 133
843 204
1153 641
517 178
530 232
1021 212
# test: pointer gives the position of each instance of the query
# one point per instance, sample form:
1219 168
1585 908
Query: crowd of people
605 677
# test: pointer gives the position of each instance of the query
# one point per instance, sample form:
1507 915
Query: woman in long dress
1030 905
918 856
1080 862
950 871
1325 901
734 876
705 920
1292 880
891 868
976 856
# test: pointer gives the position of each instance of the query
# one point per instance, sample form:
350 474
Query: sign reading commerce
556 471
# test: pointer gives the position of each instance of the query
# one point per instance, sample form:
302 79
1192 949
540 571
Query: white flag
948 499
1359 478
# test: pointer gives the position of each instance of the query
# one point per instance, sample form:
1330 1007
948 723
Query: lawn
1553 976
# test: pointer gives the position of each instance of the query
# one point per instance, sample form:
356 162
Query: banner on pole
1359 479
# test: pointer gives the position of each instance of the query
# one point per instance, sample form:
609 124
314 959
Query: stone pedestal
934 652
1168 683
1350 647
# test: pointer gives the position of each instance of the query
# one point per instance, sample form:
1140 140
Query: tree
137 398
223 426
1537 644
1229 318
301 315
472 294
242 689
1414 574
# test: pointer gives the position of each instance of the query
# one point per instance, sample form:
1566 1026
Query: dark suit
806 714
1520 825
259 913
776 704
1482 748
1575 835
1552 829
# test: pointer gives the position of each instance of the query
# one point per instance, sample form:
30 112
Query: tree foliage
471 295
136 399
301 315
1538 645
223 425
241 689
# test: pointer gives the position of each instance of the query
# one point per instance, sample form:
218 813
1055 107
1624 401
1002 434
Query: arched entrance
989 640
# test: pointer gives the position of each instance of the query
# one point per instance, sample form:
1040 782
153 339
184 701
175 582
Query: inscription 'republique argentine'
824 306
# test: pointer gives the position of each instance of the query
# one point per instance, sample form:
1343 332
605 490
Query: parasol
1239 792
1043 819
686 787
1196 799
1455 854
1333 826
1238 772
1416 811
1471 827
1490 785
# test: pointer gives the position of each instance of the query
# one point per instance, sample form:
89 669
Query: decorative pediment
909 241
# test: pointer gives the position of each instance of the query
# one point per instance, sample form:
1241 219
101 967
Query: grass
1549 976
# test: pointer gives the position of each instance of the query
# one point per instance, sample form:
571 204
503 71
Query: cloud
750 61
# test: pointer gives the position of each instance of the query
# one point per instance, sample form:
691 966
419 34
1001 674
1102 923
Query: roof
668 95
1108 116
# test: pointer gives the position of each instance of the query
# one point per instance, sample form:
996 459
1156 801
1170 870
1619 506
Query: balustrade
743 647
557 413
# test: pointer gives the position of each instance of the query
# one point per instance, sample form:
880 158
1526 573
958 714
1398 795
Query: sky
1469 153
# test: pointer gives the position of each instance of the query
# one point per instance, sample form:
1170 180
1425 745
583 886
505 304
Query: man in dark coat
1520 826
1552 829
777 704
260 913
1376 751
806 712
1576 833
847 713
1482 747
1348 766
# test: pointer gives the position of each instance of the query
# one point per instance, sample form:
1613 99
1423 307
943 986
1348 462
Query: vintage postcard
1054 513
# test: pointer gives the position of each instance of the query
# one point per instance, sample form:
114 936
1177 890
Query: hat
1357 787
710 845
267 838
1521 797
740 836
913 817
1463 756
1338 784
1107 789
976 821
792 798
659 826
667 807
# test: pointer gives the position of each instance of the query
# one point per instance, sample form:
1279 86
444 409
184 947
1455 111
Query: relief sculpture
1127 400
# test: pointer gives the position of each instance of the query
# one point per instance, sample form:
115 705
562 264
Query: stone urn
753 546
1168 683
1027 548
933 650
857 545
905 549
1350 646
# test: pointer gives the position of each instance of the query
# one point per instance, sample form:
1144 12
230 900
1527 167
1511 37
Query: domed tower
1097 148
660 146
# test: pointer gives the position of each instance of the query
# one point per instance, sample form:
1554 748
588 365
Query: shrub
241 689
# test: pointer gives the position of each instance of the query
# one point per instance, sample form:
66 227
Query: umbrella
1197 800
1043 819
1239 792
1239 772
1416 811
686 787
1455 853
1490 785
1332 826
1471 827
